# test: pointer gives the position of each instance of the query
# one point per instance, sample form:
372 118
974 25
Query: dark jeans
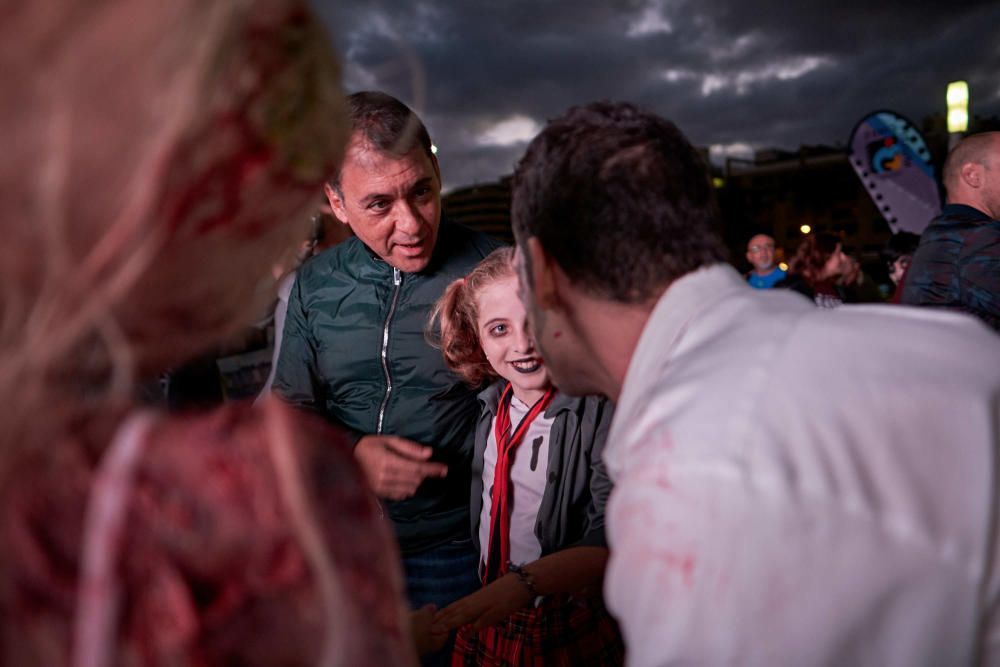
440 576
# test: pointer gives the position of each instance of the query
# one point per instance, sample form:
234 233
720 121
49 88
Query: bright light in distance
958 120
434 149
718 182
958 94
783 266
805 229
958 106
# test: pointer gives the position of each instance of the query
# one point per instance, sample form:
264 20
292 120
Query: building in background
484 207
782 191
777 193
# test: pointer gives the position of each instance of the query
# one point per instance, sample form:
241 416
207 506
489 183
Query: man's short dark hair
385 123
619 198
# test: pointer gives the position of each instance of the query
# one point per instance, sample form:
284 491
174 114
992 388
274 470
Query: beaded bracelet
526 578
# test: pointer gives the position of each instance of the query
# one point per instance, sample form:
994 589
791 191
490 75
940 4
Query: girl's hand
485 607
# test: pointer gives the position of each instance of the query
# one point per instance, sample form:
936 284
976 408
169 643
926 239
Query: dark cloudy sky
734 75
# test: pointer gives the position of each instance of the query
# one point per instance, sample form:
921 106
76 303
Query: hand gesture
485 607
394 466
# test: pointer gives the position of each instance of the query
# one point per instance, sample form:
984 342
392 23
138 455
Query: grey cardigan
572 509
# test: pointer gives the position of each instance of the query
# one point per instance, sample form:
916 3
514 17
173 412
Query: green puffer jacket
354 350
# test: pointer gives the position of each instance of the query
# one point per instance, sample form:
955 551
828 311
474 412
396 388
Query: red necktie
507 442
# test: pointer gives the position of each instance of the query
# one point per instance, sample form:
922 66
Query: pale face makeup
503 334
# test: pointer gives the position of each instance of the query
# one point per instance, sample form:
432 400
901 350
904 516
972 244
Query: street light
958 110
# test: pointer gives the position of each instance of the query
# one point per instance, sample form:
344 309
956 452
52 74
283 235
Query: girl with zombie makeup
538 492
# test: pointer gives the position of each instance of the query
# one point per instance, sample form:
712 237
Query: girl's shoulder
580 405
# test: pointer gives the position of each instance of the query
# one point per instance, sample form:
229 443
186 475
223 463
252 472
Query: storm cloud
735 76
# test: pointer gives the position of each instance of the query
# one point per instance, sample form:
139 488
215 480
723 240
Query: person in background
793 485
320 238
897 255
354 349
152 176
957 264
856 286
819 263
538 490
760 253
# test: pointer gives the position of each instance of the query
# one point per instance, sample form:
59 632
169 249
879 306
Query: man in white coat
792 486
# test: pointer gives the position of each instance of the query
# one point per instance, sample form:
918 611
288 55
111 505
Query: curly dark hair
619 198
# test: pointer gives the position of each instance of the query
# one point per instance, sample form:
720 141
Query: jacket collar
962 212
490 398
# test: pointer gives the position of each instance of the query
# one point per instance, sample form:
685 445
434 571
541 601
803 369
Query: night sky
734 76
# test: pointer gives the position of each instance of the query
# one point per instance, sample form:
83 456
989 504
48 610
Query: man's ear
972 174
543 270
336 203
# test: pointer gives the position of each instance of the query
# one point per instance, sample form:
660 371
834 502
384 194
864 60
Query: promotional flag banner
892 160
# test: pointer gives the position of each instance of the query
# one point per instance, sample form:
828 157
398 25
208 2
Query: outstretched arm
567 571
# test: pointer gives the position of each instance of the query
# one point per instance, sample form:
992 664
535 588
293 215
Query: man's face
760 252
392 203
535 318
554 336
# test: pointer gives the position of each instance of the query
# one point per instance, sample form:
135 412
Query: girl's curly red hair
452 324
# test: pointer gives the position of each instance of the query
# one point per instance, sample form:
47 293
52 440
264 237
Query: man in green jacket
354 348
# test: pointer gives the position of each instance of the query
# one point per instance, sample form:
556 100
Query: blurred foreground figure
793 485
157 156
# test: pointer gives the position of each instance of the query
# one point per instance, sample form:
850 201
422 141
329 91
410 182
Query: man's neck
973 202
766 271
610 332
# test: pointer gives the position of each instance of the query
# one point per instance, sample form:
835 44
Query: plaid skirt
563 631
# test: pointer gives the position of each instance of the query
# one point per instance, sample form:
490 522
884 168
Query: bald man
760 254
957 264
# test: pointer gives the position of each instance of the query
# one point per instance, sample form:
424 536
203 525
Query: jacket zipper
397 280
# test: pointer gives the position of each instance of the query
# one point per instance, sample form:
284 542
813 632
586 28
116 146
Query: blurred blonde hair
160 156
